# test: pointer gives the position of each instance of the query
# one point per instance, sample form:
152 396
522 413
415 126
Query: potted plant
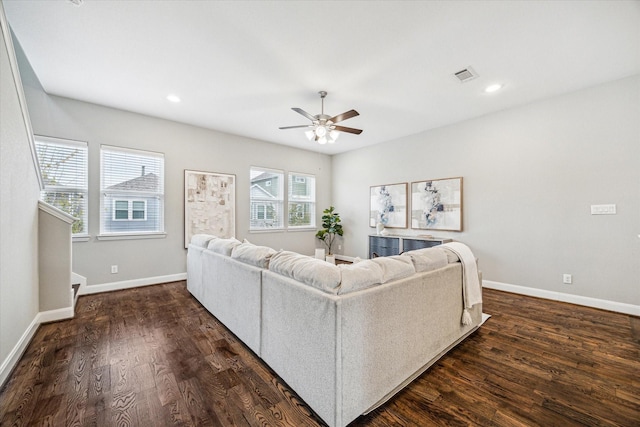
331 228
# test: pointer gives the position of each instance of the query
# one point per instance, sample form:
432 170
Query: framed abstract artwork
209 204
437 204
388 205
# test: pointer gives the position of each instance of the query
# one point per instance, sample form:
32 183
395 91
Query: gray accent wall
19 193
530 176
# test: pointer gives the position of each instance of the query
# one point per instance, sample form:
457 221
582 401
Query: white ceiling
239 66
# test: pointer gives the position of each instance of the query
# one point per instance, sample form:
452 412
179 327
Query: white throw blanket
471 290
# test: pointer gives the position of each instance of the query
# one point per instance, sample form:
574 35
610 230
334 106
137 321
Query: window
63 165
132 192
302 201
130 210
267 199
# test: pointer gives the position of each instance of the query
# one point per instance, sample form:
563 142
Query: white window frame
301 178
131 196
278 200
82 188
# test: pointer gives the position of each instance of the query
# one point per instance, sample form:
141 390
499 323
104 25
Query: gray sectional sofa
346 338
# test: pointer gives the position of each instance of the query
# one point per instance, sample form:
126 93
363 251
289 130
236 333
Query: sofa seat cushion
359 275
428 259
202 240
223 246
249 253
395 267
310 271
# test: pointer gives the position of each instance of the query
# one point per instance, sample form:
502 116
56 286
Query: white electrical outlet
114 269
567 279
603 209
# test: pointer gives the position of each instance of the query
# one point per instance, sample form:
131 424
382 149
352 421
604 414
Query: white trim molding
54 211
12 359
55 315
618 307
8 41
127 284
15 354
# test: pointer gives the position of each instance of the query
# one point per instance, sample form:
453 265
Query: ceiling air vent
465 75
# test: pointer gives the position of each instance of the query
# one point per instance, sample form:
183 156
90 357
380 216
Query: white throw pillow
202 240
394 267
310 271
252 254
223 246
360 275
428 259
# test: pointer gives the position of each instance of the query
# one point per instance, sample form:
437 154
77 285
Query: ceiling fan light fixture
311 135
323 127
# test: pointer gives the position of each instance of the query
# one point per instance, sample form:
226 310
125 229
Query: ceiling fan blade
348 130
304 113
294 127
344 116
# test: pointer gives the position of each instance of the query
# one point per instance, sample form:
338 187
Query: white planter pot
331 259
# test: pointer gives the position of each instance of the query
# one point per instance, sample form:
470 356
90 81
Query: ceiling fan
323 127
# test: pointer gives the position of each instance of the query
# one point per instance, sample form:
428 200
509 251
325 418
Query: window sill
131 236
267 230
80 238
294 229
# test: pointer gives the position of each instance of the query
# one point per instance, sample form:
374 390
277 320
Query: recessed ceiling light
493 88
173 98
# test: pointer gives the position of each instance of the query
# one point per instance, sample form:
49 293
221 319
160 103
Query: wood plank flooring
154 356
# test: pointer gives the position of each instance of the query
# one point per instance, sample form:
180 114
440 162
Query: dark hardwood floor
154 356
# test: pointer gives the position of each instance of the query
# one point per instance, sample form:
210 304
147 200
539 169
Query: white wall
19 193
184 147
530 175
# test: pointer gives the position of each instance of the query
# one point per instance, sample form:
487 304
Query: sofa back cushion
310 271
428 259
394 267
202 240
249 253
359 275
223 246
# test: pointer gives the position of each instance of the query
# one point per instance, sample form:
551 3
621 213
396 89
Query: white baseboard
55 315
127 284
16 353
618 307
14 356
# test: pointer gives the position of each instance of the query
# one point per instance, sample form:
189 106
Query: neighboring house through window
130 210
302 201
132 191
63 165
267 199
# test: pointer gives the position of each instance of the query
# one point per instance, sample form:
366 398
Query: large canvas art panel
437 204
388 206
209 204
